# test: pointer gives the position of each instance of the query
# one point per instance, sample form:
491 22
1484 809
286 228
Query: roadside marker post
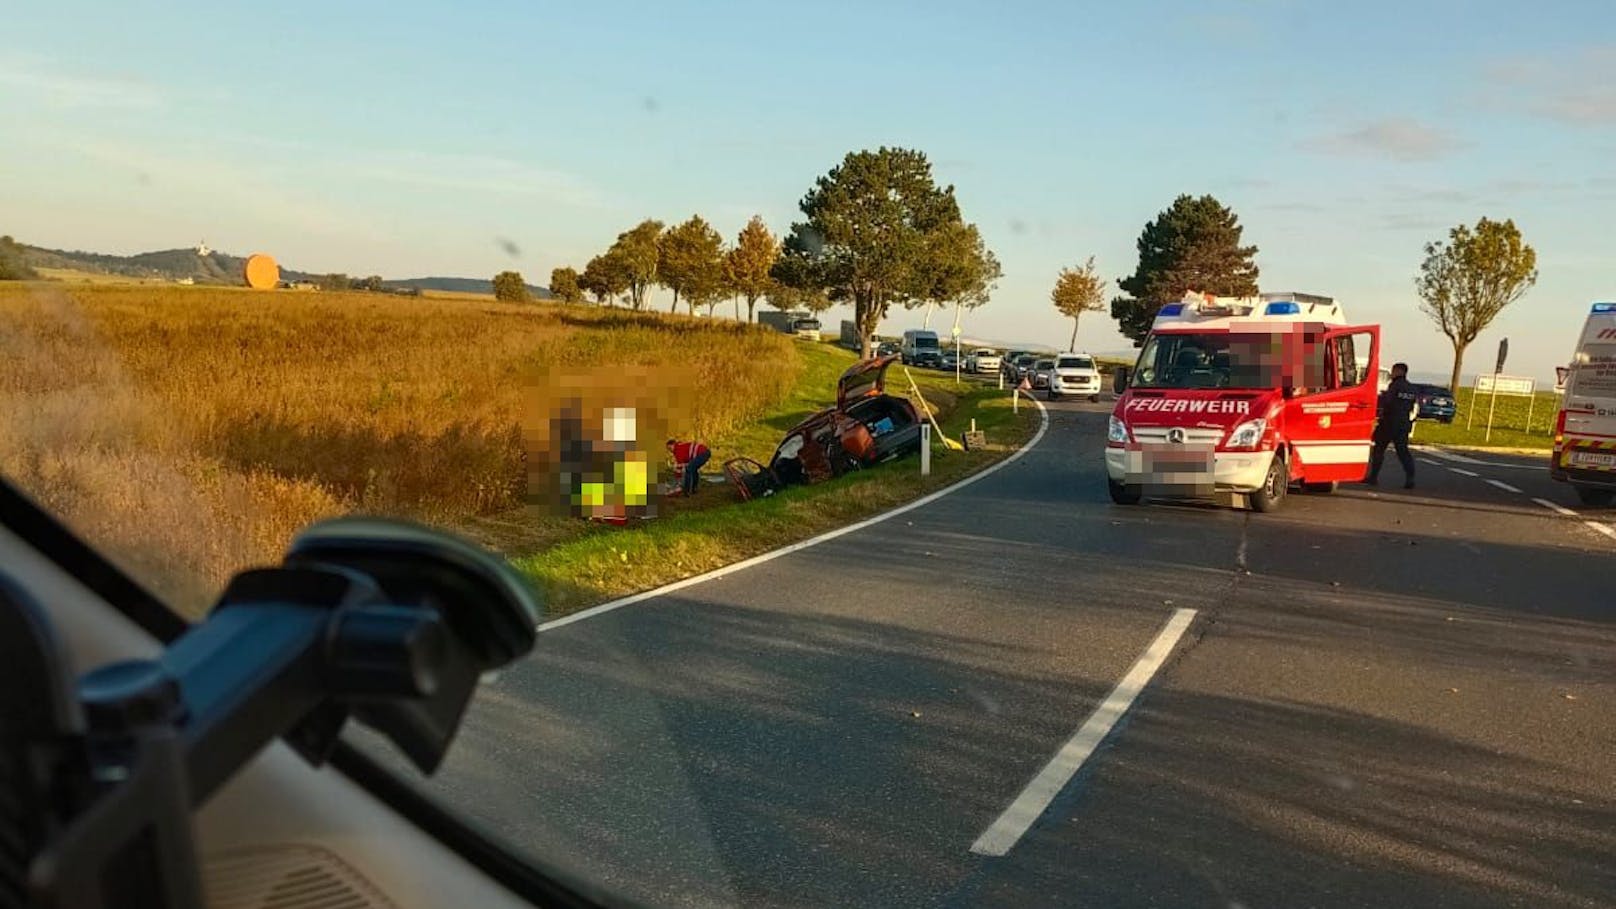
1015 400
925 449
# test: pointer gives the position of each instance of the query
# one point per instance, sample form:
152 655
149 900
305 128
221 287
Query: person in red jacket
690 456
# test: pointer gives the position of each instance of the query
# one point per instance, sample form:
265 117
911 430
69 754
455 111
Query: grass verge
1509 423
715 529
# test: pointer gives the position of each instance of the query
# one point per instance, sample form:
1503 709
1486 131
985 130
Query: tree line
877 231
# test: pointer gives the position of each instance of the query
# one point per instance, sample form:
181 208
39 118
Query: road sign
956 331
1504 385
1503 351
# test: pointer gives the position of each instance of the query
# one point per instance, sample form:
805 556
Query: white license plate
1594 458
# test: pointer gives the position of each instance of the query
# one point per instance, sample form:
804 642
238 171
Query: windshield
579 282
1229 360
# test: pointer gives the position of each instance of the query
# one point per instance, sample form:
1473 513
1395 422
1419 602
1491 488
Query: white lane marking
771 555
1502 485
1605 529
1555 507
1468 473
1464 459
1008 828
1431 461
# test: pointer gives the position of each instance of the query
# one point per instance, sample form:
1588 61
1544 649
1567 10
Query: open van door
1331 428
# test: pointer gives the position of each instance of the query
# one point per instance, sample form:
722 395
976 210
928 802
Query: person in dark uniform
1395 413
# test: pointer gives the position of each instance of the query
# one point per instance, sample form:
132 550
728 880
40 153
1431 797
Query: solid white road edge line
1432 461
1555 507
1468 473
1008 828
771 555
1605 529
1502 485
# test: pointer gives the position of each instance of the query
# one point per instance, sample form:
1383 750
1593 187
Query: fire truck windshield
1229 360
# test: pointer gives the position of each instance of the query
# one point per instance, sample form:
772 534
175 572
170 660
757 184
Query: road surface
1382 698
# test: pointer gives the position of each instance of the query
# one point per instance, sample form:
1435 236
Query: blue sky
406 139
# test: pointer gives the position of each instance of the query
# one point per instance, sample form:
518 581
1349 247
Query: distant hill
214 268
461 285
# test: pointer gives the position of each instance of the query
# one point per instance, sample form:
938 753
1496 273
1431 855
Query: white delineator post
925 449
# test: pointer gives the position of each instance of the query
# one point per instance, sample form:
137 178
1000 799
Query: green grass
716 529
1509 423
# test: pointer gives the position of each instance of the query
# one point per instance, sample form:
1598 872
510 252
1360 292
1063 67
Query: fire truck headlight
1118 432
1247 434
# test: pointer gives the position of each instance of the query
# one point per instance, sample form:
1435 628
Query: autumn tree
509 287
1077 291
691 262
13 262
564 285
1466 282
335 281
1193 245
634 257
863 239
605 278
749 262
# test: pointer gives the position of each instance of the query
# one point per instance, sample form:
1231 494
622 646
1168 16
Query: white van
921 348
1585 431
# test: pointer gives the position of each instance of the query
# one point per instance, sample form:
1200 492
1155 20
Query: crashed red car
867 426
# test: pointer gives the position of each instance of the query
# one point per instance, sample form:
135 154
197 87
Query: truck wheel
1594 496
1272 492
1123 494
1322 489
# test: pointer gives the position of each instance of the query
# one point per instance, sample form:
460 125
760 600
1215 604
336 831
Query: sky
410 139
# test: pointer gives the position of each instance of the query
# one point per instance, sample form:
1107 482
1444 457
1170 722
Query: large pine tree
1193 245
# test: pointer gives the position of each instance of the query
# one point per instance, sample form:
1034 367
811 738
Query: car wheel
1322 489
1594 496
1124 494
1272 492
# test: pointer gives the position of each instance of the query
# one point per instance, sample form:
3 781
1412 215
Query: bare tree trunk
751 306
736 299
1458 363
1072 347
675 306
927 323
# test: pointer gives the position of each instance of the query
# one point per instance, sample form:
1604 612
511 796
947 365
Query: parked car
984 360
867 426
1074 374
1436 402
1021 366
951 360
886 348
1007 364
1042 368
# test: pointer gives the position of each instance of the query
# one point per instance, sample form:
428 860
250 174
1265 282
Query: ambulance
1246 395
1585 431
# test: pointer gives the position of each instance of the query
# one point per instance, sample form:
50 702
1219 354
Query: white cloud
30 78
1577 89
1400 138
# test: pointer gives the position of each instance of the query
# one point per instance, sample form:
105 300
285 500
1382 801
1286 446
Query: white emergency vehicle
1585 431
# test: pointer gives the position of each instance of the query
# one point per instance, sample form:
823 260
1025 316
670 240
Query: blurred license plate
1176 466
1594 458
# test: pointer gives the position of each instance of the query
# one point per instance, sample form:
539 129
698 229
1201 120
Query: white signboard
1504 385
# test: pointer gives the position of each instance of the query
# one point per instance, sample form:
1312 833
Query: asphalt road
1387 697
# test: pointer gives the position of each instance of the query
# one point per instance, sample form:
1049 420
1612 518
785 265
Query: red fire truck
1245 395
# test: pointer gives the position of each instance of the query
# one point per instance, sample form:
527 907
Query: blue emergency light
1282 308
1171 309
1605 307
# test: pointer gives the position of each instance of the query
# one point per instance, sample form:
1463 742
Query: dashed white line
1468 473
1431 461
1555 507
1007 829
1502 485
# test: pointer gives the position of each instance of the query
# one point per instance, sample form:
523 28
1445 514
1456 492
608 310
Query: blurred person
1395 419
